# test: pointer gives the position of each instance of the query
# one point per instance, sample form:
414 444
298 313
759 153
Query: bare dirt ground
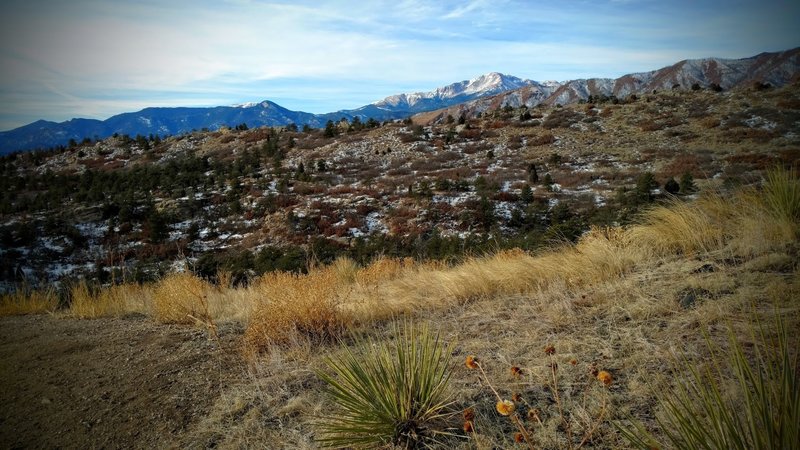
107 383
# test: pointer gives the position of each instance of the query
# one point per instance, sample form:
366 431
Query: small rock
688 297
705 268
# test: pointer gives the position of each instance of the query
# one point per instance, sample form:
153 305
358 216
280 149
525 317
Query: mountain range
470 96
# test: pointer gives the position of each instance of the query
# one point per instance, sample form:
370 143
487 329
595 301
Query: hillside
185 363
250 201
195 290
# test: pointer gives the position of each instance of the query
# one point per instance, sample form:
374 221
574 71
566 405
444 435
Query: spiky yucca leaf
388 394
699 415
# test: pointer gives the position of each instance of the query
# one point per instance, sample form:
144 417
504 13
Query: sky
61 59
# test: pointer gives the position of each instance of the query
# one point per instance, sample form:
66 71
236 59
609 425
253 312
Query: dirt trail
106 383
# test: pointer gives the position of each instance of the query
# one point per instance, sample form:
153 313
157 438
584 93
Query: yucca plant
388 394
782 191
762 412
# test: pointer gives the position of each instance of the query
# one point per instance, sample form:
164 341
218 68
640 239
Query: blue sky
94 59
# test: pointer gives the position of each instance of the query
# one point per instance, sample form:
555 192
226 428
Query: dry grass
624 318
181 298
739 225
21 302
600 255
612 301
87 303
681 227
296 307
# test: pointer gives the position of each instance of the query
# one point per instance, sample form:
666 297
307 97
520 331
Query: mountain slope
489 84
775 69
477 95
172 121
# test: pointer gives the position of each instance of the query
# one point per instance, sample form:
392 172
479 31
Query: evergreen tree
330 130
533 176
548 180
484 214
672 186
644 187
687 185
527 194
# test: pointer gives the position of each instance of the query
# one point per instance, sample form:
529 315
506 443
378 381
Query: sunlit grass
741 400
24 301
782 192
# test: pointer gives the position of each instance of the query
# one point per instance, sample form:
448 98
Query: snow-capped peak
487 84
263 104
494 82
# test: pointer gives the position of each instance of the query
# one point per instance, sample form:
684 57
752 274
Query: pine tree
330 130
672 186
527 194
687 185
533 176
644 186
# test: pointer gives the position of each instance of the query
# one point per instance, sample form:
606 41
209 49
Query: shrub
388 395
563 118
672 186
762 412
686 185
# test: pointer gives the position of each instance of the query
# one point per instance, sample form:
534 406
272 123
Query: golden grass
739 225
685 228
296 307
181 298
612 300
88 304
23 302
283 308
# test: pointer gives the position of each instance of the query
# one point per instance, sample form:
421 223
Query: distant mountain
171 121
489 84
161 121
776 69
485 92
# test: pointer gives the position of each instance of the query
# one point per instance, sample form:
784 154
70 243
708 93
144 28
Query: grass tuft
388 395
681 227
23 302
761 411
181 298
782 192
88 303
295 306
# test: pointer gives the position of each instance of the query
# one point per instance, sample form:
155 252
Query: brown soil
107 383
